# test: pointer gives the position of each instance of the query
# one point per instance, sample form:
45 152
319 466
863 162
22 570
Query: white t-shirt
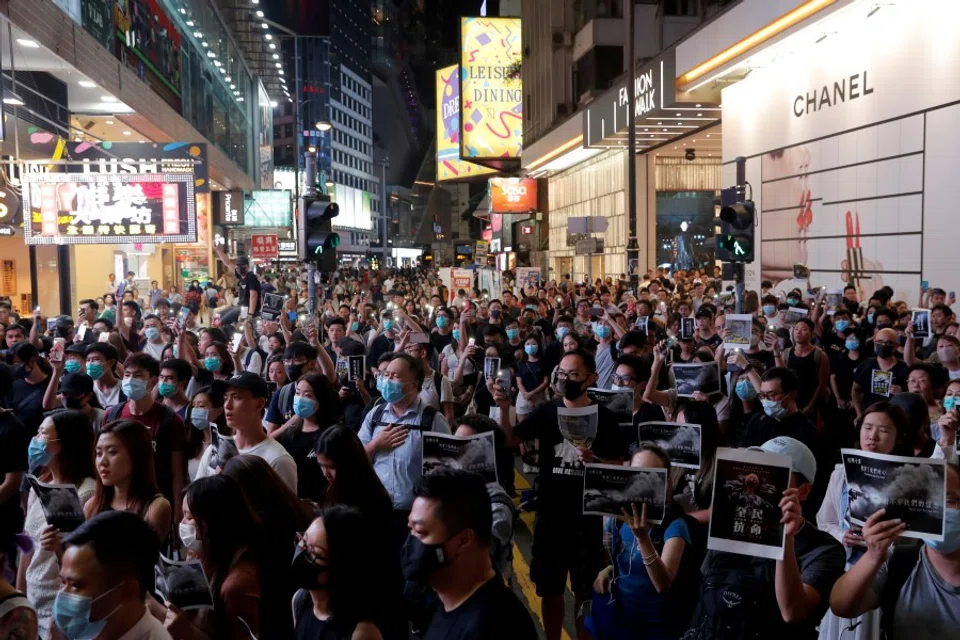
109 397
154 350
270 450
428 392
256 362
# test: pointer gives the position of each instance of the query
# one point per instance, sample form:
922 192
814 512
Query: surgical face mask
769 309
380 381
152 333
950 403
188 534
951 533
754 340
495 313
746 390
95 370
294 371
773 408
72 366
388 325
513 334
442 321
200 418
134 388
870 318
602 331
852 344
304 407
71 614
841 325
211 364
561 332
530 349
37 453
456 335
167 389
354 326
792 302
420 561
392 390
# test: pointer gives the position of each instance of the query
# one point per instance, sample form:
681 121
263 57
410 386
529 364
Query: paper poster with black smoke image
578 426
182 584
747 489
470 453
609 488
619 402
679 439
224 448
60 503
701 376
910 489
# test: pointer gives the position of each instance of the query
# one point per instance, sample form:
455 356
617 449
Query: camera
691 154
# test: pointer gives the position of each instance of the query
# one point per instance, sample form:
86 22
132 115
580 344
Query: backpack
286 400
901 564
166 422
735 603
249 357
503 557
426 419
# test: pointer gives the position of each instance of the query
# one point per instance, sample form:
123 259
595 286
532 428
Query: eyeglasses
771 395
621 380
576 376
300 541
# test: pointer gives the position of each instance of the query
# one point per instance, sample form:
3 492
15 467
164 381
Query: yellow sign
449 164
491 100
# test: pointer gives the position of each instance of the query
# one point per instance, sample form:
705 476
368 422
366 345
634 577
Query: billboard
513 195
74 208
268 208
491 92
228 207
356 211
264 247
449 164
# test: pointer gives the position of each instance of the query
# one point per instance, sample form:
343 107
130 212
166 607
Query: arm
836 390
661 569
795 599
854 592
159 516
25 559
179 462
910 346
821 391
254 297
50 400
227 262
856 399
327 365
827 518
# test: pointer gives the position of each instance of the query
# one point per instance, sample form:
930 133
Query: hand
792 519
586 456
602 584
502 399
391 437
471 350
636 519
908 330
951 299
51 540
770 339
176 622
310 333
700 396
879 534
853 537
843 404
57 366
948 424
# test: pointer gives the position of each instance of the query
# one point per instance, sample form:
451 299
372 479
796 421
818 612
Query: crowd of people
253 445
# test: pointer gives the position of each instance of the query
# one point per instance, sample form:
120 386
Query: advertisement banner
491 92
264 247
460 279
228 207
449 164
480 255
78 208
152 37
528 277
513 195
268 208
97 20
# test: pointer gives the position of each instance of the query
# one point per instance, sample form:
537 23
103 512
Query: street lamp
324 125
329 184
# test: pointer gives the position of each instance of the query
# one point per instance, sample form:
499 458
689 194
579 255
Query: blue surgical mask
949 403
211 364
71 614
95 370
72 366
354 326
602 331
769 309
530 349
513 334
134 388
167 389
852 344
304 407
442 321
37 453
870 318
292 316
561 332
746 390
380 381
951 532
152 333
392 391
456 335
841 325
388 325
200 418
773 408
792 302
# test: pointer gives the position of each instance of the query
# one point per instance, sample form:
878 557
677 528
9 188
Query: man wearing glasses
781 416
565 540
878 378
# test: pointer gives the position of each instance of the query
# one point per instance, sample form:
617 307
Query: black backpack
426 419
166 422
735 603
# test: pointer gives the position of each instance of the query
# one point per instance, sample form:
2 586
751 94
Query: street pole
384 200
738 270
310 191
633 248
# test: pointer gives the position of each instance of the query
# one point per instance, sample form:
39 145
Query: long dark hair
225 521
194 440
76 445
356 484
143 475
329 411
898 416
268 495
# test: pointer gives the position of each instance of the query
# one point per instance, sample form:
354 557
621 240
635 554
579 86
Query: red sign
264 247
513 195
527 230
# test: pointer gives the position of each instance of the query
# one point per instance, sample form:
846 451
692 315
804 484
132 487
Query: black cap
64 321
76 384
24 351
79 349
243 261
703 312
244 380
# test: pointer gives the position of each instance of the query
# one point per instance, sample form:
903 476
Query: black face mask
20 372
294 371
885 350
495 314
571 389
73 403
420 561
304 573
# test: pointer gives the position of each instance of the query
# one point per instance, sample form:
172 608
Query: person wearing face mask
912 585
62 447
880 377
107 572
152 343
31 378
205 426
164 427
606 351
101 364
448 548
832 341
387 340
493 324
75 392
318 408
247 281
946 426
332 565
442 335
633 372
299 359
948 353
175 375
781 416
565 541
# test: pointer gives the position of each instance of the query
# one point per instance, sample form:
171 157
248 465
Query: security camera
691 154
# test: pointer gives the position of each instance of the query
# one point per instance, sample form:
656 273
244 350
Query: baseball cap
78 349
703 312
242 261
24 351
244 380
76 384
801 458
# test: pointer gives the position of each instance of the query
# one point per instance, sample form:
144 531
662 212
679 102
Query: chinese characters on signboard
108 209
264 247
513 195
229 207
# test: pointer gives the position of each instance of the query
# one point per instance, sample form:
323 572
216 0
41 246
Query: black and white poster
491 367
578 426
688 328
224 448
910 489
747 489
272 307
679 439
881 382
182 584
921 323
470 453
350 368
620 402
60 503
698 376
641 323
739 329
609 488
794 314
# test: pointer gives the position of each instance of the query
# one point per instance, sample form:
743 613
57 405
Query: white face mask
188 534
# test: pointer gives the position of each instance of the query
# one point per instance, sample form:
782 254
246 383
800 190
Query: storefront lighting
273 46
273 103
268 37
324 125
204 43
278 65
229 80
280 72
699 115
190 23
329 184
233 86
698 106
312 149
87 84
276 56
26 42
183 11
216 63
211 54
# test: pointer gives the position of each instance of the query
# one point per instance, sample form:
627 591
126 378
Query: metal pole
633 248
738 269
384 200
310 190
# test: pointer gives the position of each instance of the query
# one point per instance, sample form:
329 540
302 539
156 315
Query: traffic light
319 242
734 241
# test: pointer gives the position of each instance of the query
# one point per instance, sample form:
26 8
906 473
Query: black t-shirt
440 341
762 357
713 341
807 369
875 383
561 480
796 425
843 368
302 447
26 400
493 611
248 283
14 440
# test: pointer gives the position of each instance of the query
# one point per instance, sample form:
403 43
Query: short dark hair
299 349
181 368
806 321
105 349
90 301
462 501
633 338
124 544
152 316
886 313
788 379
415 366
145 361
641 366
216 335
588 361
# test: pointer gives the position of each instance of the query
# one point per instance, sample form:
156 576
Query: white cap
801 458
